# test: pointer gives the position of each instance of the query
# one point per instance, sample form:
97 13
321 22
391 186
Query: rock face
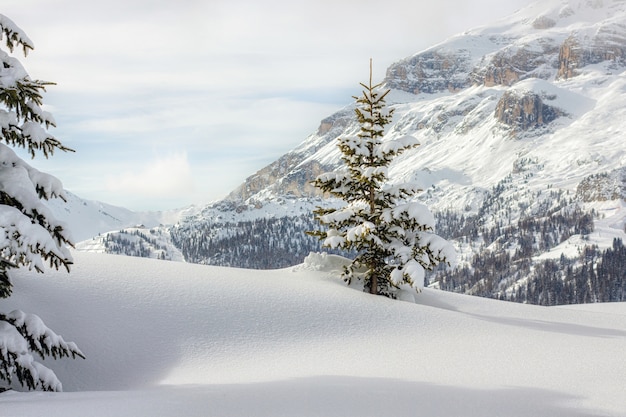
543 22
574 55
602 187
515 64
286 177
524 111
431 72
570 58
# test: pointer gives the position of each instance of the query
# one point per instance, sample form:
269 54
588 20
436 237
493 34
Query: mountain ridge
499 53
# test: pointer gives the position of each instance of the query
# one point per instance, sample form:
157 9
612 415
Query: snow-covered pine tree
391 234
29 234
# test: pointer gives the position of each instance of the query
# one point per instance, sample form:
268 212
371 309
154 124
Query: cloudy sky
170 103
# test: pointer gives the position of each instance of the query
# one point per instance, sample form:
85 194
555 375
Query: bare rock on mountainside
514 64
609 45
431 72
524 111
603 186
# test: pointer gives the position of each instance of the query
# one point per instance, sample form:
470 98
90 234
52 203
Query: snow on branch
21 333
13 35
412 211
25 243
396 146
40 338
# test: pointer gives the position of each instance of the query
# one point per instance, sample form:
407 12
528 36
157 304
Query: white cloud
164 177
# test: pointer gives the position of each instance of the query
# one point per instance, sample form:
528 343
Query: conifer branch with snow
29 235
392 235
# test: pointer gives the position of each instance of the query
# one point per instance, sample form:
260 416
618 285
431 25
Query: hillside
522 158
87 218
171 339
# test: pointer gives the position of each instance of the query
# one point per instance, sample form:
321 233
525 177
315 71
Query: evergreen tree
391 235
29 235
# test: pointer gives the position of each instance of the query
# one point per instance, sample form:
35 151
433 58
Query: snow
170 339
17 34
36 133
86 219
411 210
395 146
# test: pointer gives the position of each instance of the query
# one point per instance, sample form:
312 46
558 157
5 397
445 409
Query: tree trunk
374 285
372 266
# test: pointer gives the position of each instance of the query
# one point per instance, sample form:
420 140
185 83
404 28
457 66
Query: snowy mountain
87 218
540 92
174 339
522 160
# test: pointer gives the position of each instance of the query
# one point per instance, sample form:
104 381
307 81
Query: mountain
87 218
522 160
528 91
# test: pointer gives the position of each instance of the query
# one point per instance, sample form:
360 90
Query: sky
169 104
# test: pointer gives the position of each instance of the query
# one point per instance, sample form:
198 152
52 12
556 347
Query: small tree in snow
29 234
392 236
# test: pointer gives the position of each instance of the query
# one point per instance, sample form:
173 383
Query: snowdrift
172 339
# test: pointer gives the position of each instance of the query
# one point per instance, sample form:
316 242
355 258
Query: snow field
169 339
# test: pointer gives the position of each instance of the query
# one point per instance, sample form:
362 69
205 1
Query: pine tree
391 234
29 235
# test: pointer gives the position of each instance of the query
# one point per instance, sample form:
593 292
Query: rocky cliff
525 111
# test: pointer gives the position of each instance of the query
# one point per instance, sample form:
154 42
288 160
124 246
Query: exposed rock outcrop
603 187
431 72
284 175
524 111
543 22
608 45
336 121
570 58
515 64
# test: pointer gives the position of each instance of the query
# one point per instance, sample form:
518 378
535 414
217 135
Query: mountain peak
544 40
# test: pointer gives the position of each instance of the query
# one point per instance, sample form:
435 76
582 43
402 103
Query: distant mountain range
88 218
522 159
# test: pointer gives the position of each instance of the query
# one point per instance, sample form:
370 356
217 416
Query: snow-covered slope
87 218
175 339
141 241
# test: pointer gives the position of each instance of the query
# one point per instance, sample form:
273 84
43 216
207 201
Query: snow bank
171 339
322 261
